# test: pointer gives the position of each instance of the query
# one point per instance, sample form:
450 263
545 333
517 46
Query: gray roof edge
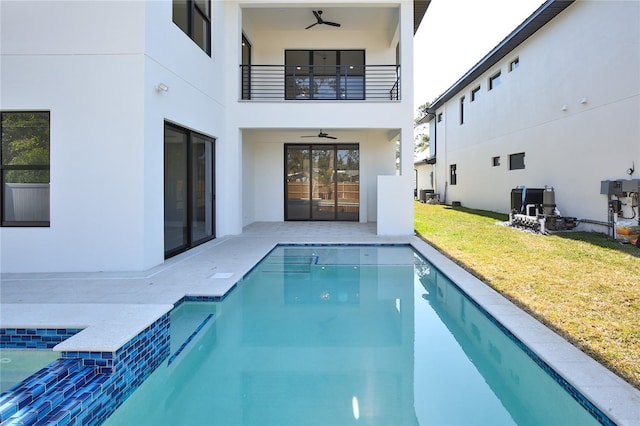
419 9
538 19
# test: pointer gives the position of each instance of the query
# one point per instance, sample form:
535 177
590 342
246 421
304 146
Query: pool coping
108 323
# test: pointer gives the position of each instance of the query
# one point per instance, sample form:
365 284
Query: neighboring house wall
424 176
571 105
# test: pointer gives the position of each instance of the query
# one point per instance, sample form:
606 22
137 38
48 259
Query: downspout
435 151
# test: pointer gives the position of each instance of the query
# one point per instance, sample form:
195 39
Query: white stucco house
556 103
135 130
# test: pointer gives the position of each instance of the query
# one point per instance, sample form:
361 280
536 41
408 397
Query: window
24 167
462 110
189 189
194 18
439 117
453 177
514 64
246 68
475 93
495 161
495 80
324 74
516 161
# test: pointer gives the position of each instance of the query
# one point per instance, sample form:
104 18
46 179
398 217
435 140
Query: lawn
583 285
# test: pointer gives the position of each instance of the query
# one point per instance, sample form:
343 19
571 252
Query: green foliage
25 142
421 112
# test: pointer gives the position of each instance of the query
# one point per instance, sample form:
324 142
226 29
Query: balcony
320 82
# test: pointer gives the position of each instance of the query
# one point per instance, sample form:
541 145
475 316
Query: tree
421 113
421 138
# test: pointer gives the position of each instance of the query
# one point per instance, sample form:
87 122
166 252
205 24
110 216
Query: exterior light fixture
583 101
161 87
564 107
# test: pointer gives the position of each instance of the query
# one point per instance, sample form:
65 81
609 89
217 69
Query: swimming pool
348 334
18 364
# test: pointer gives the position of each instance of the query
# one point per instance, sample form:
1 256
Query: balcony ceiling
297 18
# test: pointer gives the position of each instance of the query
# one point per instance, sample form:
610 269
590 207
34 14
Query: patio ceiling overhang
350 16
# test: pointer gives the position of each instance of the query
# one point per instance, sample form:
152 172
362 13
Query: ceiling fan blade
331 137
312 25
331 23
317 15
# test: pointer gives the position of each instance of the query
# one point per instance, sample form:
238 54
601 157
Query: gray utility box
632 185
611 187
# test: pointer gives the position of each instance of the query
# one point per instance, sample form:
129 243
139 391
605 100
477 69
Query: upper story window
462 110
194 18
514 64
453 174
475 93
439 117
325 74
516 161
495 80
24 168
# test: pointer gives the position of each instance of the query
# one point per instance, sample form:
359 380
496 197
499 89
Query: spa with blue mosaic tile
80 387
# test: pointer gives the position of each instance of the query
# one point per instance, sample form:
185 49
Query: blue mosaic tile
82 387
34 338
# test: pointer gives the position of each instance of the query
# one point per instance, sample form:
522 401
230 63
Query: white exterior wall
95 65
590 51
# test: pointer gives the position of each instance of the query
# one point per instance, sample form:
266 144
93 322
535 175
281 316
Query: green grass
583 285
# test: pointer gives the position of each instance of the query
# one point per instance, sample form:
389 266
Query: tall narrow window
495 80
24 166
516 161
194 18
246 68
462 110
189 189
453 176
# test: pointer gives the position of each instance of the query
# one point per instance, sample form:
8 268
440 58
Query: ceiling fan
320 135
318 15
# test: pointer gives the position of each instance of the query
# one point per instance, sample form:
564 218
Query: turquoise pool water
346 335
18 364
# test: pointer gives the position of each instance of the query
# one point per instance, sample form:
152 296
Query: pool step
289 264
51 396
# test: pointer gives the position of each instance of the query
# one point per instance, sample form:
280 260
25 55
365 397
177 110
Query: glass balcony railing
320 82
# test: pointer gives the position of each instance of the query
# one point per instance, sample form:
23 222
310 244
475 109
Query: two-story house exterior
556 103
135 130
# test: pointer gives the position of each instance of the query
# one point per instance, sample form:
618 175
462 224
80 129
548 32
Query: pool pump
535 209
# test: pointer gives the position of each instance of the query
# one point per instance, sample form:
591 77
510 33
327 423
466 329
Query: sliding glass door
189 198
322 182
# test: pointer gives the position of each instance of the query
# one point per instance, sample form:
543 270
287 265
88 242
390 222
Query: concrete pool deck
113 307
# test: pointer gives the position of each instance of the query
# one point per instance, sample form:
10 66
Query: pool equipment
535 209
622 204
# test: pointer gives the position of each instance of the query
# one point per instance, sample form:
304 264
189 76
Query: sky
455 34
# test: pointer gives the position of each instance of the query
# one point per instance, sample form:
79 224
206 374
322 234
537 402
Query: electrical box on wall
632 185
611 187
